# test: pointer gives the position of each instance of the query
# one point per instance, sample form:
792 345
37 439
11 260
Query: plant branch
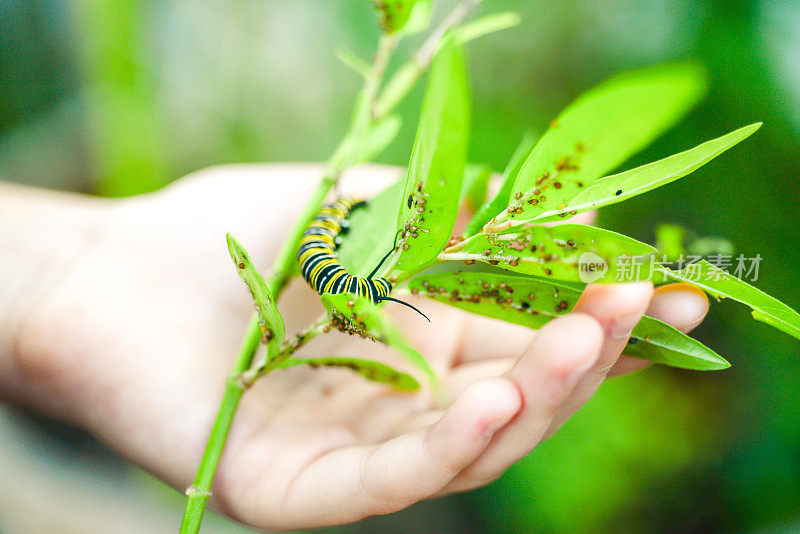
282 270
401 83
200 490
367 112
242 377
264 366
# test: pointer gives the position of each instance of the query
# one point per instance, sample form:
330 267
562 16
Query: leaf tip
234 247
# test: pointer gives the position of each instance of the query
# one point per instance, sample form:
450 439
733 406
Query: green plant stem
264 366
200 491
282 270
409 74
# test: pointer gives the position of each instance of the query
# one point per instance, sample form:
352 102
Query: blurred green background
117 98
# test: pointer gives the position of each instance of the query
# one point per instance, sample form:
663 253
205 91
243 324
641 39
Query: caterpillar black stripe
320 266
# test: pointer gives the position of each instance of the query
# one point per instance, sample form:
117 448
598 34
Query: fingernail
682 286
622 327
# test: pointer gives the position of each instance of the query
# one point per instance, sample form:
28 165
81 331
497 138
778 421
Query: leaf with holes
269 318
369 369
601 130
722 284
533 302
573 252
435 172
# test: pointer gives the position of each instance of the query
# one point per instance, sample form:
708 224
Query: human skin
123 317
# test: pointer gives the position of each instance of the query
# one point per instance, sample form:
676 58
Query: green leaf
485 25
353 62
601 130
721 284
269 318
500 200
669 240
358 315
709 245
350 150
372 231
573 252
369 369
620 187
378 137
433 183
419 20
675 241
393 14
475 185
533 302
658 342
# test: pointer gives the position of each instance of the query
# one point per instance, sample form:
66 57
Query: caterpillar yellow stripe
320 266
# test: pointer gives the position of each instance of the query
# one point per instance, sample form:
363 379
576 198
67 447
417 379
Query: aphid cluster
501 294
566 164
353 325
416 202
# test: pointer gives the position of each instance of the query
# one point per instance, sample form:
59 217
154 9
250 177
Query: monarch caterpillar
320 266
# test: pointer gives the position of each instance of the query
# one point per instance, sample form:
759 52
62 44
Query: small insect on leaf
532 302
619 187
269 318
357 315
433 184
572 252
602 129
369 369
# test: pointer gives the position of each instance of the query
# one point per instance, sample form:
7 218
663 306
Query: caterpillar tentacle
404 304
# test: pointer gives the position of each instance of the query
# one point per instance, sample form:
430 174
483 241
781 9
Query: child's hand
136 332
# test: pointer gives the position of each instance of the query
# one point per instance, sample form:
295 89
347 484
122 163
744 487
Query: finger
355 482
483 338
681 305
546 374
626 365
618 308
418 421
461 376
453 385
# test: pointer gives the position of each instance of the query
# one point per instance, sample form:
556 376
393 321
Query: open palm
135 339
